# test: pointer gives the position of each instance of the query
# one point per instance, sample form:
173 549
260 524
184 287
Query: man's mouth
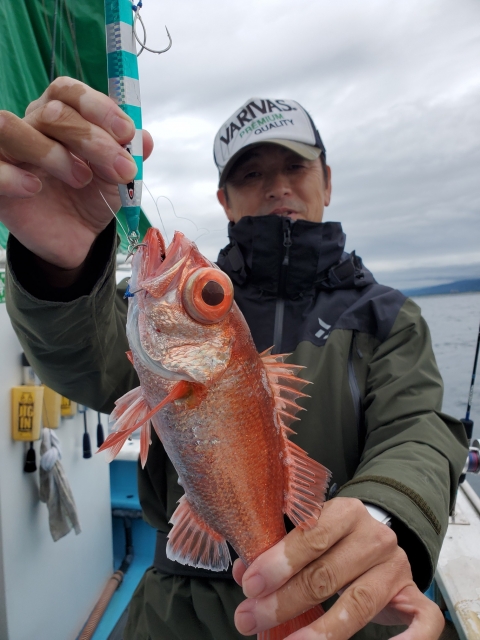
284 212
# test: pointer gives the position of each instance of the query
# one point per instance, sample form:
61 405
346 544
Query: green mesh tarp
30 30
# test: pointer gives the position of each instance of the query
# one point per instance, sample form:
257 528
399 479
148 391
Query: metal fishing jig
124 89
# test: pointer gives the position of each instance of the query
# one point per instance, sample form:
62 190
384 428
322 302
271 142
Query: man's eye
251 174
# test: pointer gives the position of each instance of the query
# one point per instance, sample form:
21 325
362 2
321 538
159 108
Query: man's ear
328 189
223 200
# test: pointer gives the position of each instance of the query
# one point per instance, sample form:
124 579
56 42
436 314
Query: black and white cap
260 121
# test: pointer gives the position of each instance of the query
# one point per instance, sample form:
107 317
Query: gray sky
394 88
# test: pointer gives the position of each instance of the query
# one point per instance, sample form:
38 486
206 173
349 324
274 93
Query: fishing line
54 42
113 213
155 202
183 217
139 244
158 211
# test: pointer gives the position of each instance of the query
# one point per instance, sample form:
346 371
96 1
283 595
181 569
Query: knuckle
403 562
55 112
7 120
362 604
317 540
352 507
320 581
58 86
357 506
437 615
386 538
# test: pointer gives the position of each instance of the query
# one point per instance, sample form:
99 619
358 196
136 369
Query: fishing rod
472 464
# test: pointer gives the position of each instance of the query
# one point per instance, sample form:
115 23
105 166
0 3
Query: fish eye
207 295
213 293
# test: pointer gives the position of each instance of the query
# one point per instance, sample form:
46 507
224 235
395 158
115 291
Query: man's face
272 180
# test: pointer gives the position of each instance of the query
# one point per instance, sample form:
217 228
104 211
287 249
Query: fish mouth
135 342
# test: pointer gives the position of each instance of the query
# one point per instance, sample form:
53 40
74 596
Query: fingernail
253 586
81 173
125 167
31 184
245 622
122 127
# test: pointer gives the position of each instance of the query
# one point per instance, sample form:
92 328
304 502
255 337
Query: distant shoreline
459 286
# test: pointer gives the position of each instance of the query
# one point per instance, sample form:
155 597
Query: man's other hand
347 551
53 164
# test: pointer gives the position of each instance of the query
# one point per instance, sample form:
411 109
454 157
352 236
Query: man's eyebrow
246 157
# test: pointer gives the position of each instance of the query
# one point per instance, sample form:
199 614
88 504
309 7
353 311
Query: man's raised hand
53 164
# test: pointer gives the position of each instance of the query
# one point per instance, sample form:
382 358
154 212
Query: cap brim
306 151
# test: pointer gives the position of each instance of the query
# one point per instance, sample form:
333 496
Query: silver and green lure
124 89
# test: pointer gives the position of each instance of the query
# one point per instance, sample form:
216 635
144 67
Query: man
374 414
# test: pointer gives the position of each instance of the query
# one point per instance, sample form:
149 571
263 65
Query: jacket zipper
356 395
280 304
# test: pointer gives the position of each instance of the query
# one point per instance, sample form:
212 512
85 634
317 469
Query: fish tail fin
286 628
130 417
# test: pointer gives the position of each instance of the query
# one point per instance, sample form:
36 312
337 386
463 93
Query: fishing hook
143 46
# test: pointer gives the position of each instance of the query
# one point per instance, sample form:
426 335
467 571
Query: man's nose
278 185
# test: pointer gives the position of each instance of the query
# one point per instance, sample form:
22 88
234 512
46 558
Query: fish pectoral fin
306 482
191 541
132 412
283 630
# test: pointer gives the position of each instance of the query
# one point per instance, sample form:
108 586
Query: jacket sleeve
413 454
77 347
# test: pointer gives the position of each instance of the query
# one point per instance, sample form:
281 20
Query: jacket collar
256 252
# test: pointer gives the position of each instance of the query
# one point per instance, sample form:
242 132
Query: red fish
221 410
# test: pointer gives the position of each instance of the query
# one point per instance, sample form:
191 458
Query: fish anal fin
283 630
191 541
306 485
129 355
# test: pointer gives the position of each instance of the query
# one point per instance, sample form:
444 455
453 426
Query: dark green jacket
374 417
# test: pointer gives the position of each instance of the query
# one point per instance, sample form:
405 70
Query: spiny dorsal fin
306 480
285 386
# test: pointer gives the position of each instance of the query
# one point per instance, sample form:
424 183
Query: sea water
454 324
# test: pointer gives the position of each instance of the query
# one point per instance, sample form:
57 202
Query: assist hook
143 46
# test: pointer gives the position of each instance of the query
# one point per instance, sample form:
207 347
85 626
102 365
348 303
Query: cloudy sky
394 88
